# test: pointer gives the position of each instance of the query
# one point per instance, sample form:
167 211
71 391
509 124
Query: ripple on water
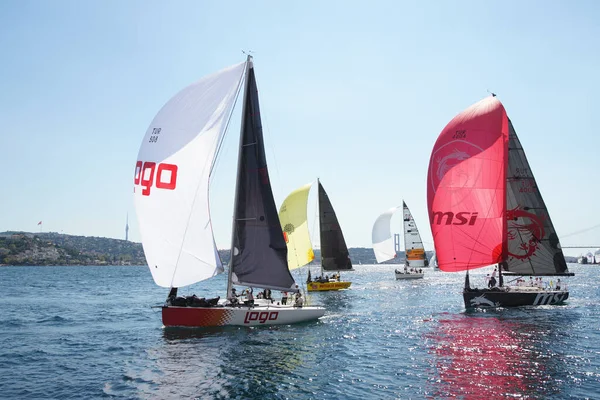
380 339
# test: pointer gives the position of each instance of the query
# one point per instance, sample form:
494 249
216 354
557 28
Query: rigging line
520 238
315 215
218 152
267 130
476 239
581 231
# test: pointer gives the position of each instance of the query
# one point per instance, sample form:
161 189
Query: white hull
401 275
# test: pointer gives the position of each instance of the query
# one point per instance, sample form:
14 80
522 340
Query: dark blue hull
503 297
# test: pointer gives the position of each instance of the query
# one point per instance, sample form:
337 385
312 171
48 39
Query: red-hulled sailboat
485 208
171 192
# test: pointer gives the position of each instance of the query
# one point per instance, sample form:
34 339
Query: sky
352 92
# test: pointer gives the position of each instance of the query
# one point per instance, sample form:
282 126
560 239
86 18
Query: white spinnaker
383 243
175 223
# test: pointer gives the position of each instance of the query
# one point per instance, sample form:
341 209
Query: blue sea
91 332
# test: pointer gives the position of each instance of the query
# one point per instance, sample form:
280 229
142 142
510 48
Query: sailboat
485 208
384 249
171 192
334 252
433 262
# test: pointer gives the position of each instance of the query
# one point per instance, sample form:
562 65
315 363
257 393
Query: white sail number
161 176
548 298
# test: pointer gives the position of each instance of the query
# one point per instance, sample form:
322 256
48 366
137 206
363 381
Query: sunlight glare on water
89 332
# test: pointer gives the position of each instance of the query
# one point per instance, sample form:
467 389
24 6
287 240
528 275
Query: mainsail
381 237
259 251
533 246
334 252
294 224
413 246
172 174
466 188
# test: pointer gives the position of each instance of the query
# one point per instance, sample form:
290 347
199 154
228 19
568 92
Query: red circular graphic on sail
450 156
528 233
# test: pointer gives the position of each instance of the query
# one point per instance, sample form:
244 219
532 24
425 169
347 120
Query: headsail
381 236
334 252
413 246
466 188
533 246
172 179
259 252
292 216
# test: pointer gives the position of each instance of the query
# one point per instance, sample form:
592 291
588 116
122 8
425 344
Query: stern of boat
325 286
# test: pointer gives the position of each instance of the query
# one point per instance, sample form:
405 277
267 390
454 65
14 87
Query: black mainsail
259 251
533 245
334 252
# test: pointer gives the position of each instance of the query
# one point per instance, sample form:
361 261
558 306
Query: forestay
172 179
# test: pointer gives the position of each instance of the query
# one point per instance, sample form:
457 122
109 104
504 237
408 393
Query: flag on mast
39 223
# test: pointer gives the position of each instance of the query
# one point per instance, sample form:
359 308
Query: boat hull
417 264
238 316
401 275
495 297
325 286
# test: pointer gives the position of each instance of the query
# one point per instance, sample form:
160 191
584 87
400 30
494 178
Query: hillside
51 248
24 248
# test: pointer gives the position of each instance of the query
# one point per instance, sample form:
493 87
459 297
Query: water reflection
334 301
495 355
234 362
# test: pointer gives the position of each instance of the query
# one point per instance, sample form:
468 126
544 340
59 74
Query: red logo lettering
165 178
449 218
261 317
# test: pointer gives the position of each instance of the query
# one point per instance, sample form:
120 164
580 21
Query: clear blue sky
355 93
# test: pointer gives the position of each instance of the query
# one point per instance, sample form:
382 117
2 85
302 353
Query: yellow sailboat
334 252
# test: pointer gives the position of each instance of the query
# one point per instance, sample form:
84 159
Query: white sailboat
383 244
334 252
171 192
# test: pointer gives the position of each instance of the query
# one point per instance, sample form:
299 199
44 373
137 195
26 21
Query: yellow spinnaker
292 216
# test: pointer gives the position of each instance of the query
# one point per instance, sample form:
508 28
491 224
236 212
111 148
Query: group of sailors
538 282
320 279
522 282
247 297
411 271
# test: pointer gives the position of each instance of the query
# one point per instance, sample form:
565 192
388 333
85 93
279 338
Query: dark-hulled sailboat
334 252
485 208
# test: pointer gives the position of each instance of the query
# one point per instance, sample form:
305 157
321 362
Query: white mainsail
413 246
381 236
172 179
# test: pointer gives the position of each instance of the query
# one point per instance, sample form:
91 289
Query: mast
320 226
237 178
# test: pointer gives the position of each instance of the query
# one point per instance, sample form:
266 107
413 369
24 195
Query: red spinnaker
466 188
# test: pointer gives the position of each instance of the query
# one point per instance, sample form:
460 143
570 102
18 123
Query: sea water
91 332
